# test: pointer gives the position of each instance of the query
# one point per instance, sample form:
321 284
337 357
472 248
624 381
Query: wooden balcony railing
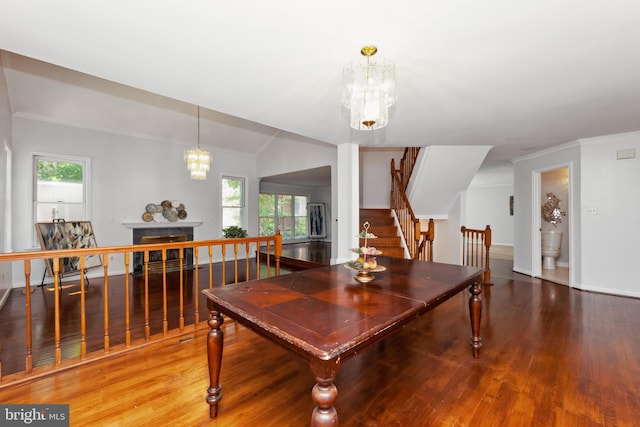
175 300
475 249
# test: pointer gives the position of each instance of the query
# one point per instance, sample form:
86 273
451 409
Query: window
267 214
286 212
60 189
300 216
232 202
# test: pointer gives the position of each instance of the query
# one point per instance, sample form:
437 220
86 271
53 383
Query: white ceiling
518 75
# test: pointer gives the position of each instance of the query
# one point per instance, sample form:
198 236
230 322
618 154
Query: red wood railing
243 261
475 249
407 163
419 243
425 243
409 224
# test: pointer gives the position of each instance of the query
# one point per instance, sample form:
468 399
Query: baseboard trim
521 271
607 291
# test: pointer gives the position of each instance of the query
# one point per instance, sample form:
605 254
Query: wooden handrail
476 245
425 244
407 164
419 244
244 249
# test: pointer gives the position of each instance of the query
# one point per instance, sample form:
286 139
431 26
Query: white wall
610 212
489 205
375 176
296 154
127 173
5 140
447 246
315 194
527 217
292 154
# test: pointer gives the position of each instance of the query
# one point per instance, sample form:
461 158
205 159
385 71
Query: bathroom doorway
552 210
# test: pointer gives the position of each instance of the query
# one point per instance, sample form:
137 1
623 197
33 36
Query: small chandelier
369 89
198 161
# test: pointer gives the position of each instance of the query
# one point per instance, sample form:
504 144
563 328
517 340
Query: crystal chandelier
369 89
198 161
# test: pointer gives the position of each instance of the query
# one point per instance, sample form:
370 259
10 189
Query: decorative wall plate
172 210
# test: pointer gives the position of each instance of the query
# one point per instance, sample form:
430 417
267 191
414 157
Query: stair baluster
417 241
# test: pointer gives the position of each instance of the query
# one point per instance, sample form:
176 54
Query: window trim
86 182
276 216
244 200
8 198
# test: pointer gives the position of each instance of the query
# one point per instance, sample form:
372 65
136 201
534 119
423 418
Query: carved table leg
215 340
324 393
475 312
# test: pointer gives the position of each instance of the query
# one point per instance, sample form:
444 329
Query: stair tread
379 222
384 232
393 252
383 225
376 214
382 241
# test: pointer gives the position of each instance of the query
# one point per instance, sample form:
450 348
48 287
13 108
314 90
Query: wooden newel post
417 229
278 251
431 233
487 244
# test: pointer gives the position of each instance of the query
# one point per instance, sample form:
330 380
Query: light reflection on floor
558 275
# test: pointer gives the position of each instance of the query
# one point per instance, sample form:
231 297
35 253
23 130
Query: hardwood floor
552 356
305 254
557 275
318 252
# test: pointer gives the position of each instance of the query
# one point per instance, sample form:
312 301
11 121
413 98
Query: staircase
383 226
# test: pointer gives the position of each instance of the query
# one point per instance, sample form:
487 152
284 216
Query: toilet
551 243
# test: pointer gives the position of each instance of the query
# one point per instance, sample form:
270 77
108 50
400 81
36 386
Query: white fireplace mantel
163 224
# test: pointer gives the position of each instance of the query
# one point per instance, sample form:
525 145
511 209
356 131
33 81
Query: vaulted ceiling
520 76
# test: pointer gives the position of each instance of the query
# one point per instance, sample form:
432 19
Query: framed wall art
316 221
68 235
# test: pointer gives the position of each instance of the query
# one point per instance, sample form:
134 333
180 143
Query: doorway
552 210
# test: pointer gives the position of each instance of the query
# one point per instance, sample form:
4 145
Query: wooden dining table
326 316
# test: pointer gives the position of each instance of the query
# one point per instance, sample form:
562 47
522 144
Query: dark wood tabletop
326 316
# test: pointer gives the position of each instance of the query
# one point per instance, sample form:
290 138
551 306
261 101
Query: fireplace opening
173 255
159 236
